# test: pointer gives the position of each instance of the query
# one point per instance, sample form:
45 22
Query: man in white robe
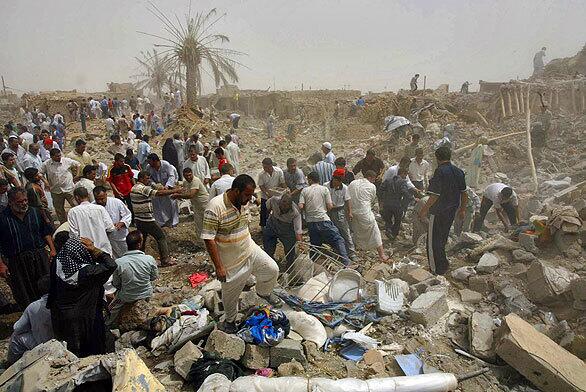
166 210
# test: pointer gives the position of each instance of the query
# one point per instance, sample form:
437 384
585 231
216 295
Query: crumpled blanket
265 327
564 218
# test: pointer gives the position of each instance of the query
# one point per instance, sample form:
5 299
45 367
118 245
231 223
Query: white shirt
59 174
270 181
234 116
87 184
393 171
493 193
221 185
27 137
315 199
339 196
419 171
91 221
110 125
118 213
200 168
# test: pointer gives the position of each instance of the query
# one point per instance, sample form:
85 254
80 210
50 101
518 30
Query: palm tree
155 72
191 44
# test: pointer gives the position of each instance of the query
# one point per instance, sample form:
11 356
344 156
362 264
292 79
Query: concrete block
256 357
373 356
463 273
250 299
522 256
481 337
482 284
429 307
578 287
285 351
543 362
292 368
470 296
225 345
416 275
487 264
185 357
528 242
546 283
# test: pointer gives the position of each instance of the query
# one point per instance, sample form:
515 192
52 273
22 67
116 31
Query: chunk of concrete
543 362
185 357
481 335
416 275
463 273
470 296
467 238
482 284
372 356
256 357
292 368
546 283
429 307
487 264
225 345
285 351
528 242
522 256
578 287
250 299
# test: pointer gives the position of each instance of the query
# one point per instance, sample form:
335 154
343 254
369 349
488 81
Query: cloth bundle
264 327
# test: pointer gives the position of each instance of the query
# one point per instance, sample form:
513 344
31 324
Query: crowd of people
78 277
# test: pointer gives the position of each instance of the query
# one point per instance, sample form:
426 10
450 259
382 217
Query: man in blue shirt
104 107
137 126
447 190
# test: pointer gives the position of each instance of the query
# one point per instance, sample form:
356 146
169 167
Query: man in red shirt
121 179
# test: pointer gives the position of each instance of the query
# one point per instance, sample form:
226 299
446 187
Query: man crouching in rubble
447 194
234 254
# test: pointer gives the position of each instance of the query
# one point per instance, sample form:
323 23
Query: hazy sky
367 45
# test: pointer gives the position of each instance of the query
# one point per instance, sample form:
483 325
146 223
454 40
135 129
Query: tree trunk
191 84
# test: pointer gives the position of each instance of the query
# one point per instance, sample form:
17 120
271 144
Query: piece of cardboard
538 358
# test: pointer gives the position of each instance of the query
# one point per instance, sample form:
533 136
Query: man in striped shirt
234 254
141 196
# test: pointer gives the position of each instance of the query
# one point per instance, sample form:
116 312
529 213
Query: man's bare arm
212 249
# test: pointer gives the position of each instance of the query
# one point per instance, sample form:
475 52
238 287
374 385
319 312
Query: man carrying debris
447 190
269 180
396 198
234 119
413 83
283 224
316 201
503 198
161 172
234 254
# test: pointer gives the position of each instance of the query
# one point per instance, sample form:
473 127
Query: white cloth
91 221
27 138
59 174
271 181
315 199
366 233
179 147
493 193
87 184
233 155
393 171
419 171
221 185
200 168
118 212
